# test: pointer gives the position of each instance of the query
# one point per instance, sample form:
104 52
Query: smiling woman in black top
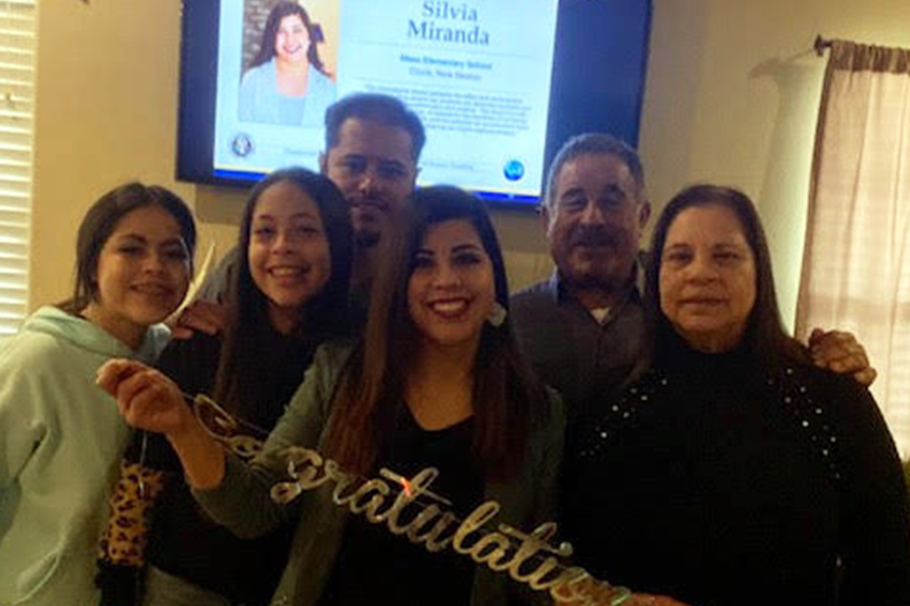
732 471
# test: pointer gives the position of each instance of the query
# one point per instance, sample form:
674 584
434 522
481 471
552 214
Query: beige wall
732 95
106 113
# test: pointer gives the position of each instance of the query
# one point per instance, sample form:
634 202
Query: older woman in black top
732 471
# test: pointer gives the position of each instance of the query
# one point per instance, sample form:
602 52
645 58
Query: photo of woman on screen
286 82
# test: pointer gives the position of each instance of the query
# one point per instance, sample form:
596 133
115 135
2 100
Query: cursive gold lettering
343 481
358 505
311 462
431 527
420 521
531 545
433 541
415 488
491 549
571 584
475 520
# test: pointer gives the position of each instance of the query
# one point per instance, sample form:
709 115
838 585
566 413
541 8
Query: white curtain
856 270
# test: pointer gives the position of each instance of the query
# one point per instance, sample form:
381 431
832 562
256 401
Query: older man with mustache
582 328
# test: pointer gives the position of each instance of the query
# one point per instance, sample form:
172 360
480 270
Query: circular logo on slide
242 145
513 170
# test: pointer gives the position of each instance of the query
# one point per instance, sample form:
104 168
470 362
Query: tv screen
500 85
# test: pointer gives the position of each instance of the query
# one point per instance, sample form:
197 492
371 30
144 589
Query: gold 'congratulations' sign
527 557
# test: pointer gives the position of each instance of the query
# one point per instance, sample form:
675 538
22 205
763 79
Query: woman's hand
146 398
646 599
149 400
636 599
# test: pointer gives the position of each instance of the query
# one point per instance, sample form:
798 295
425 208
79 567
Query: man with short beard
582 329
373 143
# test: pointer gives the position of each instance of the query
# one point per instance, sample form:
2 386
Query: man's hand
842 353
204 316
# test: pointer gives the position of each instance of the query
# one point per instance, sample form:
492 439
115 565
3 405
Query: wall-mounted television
499 84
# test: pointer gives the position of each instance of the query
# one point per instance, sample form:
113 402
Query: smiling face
142 274
289 254
292 40
451 290
373 166
594 223
707 278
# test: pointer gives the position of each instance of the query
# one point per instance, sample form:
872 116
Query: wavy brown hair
507 399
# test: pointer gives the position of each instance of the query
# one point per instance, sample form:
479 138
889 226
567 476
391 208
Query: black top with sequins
717 484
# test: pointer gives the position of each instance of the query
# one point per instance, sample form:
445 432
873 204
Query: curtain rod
821 44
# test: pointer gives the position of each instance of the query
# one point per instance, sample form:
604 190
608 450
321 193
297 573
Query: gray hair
596 144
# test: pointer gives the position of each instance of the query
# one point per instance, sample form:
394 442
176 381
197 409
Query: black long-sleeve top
722 485
181 539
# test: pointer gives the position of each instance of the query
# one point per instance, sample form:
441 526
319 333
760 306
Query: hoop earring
497 315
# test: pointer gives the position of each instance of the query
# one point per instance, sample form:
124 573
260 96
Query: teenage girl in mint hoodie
61 438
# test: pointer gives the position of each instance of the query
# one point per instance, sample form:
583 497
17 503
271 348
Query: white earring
497 315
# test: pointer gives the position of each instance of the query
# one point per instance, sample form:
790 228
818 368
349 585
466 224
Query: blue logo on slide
513 170
242 145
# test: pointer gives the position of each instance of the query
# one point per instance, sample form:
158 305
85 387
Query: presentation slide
478 74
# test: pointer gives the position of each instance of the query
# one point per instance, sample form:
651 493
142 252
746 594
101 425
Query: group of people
651 403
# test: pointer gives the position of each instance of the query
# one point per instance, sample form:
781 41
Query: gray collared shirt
570 350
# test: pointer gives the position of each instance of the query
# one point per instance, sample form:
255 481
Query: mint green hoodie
61 440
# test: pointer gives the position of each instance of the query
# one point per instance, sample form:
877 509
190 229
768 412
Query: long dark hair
267 43
764 338
324 316
100 222
507 398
